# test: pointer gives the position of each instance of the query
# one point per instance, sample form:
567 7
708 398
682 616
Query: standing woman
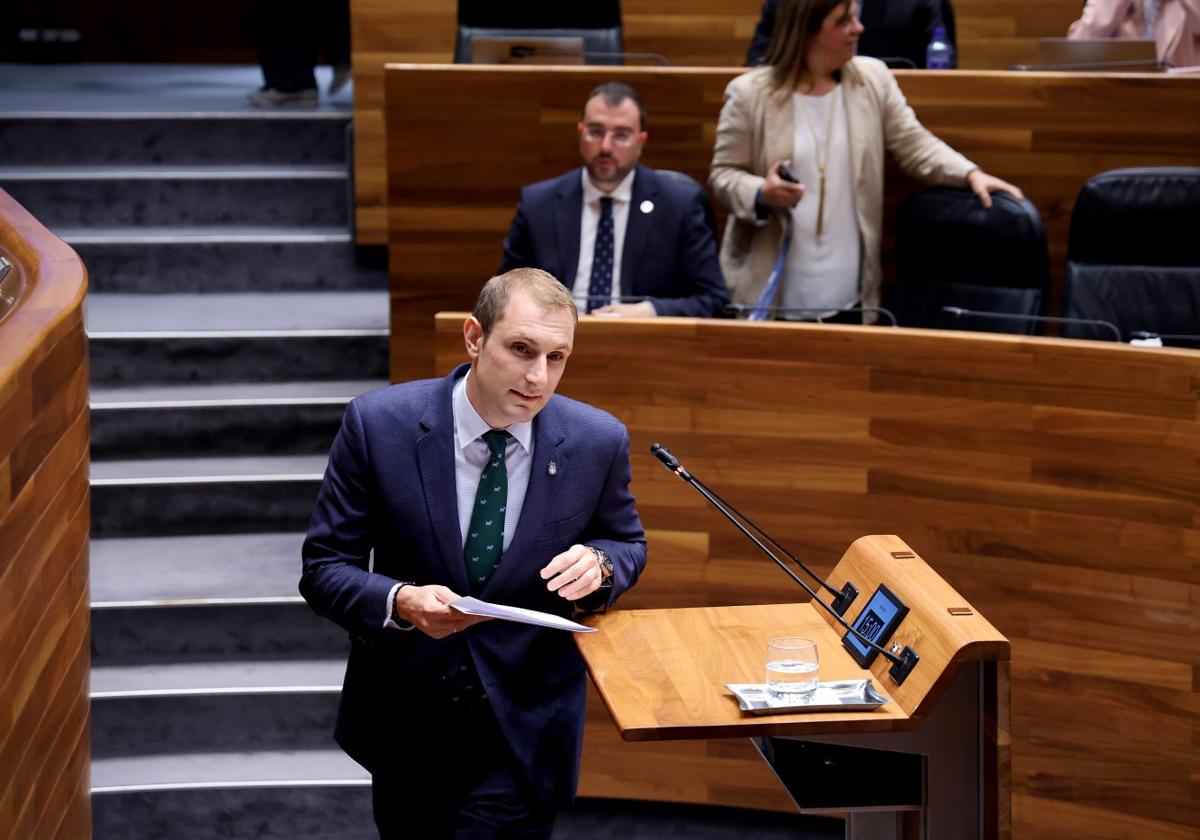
828 115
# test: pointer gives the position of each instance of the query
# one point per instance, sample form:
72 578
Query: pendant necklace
822 160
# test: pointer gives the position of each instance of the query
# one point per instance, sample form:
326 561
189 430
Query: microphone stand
902 664
959 312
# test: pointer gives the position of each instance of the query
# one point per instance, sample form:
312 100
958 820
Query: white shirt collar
469 426
623 193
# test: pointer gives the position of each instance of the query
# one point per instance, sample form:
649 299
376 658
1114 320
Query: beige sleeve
919 153
731 174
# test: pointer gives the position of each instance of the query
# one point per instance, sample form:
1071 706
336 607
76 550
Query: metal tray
842 696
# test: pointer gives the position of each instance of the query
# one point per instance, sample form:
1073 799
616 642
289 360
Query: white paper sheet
473 606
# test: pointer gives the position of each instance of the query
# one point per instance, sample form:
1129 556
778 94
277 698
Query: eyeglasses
620 136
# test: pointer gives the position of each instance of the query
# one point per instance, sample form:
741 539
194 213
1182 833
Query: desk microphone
821 312
959 312
902 664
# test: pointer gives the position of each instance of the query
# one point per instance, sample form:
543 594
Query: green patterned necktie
485 535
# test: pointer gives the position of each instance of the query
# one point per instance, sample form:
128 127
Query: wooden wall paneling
463 141
44 520
1055 484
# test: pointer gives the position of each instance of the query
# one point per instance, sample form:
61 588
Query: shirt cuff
390 621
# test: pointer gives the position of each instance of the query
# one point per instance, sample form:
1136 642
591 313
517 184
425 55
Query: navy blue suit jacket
390 488
670 253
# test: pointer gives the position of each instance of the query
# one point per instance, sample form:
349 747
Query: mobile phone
786 173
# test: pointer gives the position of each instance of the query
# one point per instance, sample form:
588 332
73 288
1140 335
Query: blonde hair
796 24
541 286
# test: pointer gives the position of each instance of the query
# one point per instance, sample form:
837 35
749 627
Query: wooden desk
464 140
1055 484
44 516
992 35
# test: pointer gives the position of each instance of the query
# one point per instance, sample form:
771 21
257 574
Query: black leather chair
950 251
598 23
1133 257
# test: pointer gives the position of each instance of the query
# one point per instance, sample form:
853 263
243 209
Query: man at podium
484 483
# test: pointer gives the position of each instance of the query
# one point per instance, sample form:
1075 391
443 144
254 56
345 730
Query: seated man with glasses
625 238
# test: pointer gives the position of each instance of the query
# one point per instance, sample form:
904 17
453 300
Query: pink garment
1176 32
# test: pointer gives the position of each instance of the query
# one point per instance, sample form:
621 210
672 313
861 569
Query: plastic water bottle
939 55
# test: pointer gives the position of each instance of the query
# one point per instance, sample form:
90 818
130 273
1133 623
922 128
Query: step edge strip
238 402
224 691
231 785
171 480
264 600
165 335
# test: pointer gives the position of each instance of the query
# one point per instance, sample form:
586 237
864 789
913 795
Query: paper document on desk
473 606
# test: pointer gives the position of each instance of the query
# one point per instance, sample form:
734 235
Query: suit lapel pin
552 468
646 206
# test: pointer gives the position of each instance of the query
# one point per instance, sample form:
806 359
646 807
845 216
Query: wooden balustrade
44 518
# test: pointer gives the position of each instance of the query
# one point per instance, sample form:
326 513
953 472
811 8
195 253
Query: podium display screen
877 621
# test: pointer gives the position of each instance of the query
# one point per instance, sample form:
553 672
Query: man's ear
473 336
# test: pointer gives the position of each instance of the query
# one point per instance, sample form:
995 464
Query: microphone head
663 454
956 311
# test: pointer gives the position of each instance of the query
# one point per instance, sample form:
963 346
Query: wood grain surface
44 516
1052 483
463 141
992 35
662 672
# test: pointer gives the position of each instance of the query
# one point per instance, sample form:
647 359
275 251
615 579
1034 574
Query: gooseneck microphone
902 664
959 312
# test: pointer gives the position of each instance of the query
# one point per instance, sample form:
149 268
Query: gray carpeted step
233 259
175 139
202 598
289 795
235 419
143 339
204 495
156 196
208 706
275 718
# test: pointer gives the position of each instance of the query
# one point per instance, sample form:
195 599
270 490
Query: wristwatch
606 564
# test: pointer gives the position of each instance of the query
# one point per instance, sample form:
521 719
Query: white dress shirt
589 222
471 453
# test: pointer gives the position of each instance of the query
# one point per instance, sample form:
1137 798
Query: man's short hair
615 93
541 286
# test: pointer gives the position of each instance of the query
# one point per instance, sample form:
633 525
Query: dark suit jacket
390 487
670 253
891 29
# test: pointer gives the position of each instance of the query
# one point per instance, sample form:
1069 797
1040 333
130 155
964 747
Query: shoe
271 98
341 75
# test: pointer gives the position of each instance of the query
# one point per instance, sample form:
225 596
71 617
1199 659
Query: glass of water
793 669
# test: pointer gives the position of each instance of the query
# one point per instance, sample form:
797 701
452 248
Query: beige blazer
1176 31
756 129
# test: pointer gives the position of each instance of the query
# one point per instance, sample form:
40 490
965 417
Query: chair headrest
1141 216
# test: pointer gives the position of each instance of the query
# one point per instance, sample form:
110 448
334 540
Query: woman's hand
983 185
778 193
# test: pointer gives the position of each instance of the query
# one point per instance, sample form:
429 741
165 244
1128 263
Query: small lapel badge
552 468
646 206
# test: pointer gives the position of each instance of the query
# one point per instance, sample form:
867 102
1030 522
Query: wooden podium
933 762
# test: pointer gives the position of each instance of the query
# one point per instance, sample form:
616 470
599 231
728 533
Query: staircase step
220 419
173 496
147 723
248 312
206 706
226 259
155 196
315 794
173 139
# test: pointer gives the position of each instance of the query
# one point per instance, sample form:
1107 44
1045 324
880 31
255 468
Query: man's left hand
574 573
983 185
643 309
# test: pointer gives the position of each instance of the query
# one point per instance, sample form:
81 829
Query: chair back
951 251
1133 255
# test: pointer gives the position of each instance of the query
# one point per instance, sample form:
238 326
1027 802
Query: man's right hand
428 609
779 193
